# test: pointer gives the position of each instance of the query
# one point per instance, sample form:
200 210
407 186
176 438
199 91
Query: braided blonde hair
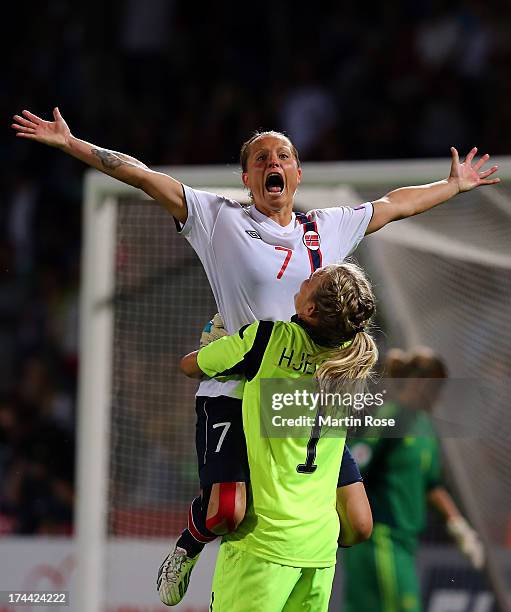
345 305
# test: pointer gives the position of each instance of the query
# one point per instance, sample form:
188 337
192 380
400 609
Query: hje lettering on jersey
303 366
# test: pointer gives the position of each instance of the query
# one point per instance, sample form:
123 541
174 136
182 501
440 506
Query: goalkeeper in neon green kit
278 559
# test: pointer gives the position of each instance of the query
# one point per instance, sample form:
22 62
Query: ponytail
354 361
345 305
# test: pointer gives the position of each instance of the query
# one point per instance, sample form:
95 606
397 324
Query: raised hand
467 175
54 133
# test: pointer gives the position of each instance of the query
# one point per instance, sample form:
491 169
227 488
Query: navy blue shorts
220 441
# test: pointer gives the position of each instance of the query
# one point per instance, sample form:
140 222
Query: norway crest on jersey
311 240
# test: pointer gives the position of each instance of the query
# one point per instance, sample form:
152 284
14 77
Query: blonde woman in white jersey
263 253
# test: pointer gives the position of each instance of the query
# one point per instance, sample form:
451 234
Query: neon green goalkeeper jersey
291 515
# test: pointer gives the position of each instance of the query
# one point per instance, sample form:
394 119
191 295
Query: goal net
442 279
447 278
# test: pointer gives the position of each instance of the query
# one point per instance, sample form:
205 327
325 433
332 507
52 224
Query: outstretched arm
161 187
409 201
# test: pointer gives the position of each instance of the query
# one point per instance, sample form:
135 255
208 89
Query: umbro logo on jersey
253 234
311 240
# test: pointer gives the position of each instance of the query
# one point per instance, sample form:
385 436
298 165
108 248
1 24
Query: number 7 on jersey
289 252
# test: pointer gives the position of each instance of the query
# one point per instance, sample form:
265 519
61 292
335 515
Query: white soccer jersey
255 266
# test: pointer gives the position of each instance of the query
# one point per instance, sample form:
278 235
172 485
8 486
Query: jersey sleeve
349 473
203 209
345 224
240 353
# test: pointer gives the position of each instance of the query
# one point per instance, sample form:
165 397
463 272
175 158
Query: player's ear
244 178
310 309
299 175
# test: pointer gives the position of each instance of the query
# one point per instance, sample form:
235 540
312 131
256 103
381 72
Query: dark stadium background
173 82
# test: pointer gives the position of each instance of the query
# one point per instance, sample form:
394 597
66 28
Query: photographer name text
330 421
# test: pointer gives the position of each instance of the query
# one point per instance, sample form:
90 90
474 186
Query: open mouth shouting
274 183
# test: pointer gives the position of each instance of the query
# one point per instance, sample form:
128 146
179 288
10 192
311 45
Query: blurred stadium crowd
180 85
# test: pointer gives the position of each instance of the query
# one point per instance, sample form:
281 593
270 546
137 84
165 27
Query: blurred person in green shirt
402 476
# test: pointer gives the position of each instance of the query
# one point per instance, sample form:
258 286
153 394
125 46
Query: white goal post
324 184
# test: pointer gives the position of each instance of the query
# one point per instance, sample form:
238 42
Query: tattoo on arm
108 159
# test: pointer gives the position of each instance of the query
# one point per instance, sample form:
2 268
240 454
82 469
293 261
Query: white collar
260 217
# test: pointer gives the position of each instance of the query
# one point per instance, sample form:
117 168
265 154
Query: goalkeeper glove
467 540
213 331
